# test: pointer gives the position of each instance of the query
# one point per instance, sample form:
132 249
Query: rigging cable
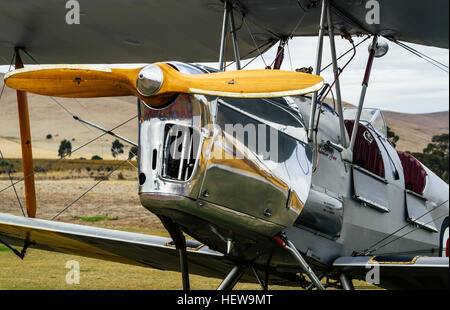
368 250
66 109
78 148
287 39
401 236
54 99
323 99
348 51
290 58
256 45
428 59
52 163
9 69
91 188
11 180
334 101
251 52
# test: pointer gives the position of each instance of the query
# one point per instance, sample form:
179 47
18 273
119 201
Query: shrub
65 148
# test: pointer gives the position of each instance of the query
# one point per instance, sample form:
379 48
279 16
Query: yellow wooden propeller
153 82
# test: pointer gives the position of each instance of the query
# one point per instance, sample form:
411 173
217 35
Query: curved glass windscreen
370 116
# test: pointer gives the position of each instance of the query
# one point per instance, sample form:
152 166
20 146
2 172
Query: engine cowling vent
180 152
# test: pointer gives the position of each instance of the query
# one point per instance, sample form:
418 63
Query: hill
55 117
415 130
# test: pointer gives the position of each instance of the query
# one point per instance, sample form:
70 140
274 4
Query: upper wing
189 30
398 272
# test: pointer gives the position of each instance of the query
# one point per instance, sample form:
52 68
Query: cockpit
370 117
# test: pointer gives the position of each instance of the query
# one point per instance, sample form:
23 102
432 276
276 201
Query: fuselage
240 171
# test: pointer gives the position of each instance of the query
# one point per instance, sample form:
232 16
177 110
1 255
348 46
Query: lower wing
398 272
112 245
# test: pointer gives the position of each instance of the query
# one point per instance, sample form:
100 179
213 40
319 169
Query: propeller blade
241 84
156 82
73 81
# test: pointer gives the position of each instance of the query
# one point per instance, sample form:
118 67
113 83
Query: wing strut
317 68
109 132
365 84
228 20
336 77
25 138
223 39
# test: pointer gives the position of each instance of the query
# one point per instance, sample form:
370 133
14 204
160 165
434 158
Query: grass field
112 204
42 270
47 271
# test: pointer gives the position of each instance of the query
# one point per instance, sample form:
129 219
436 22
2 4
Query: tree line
65 150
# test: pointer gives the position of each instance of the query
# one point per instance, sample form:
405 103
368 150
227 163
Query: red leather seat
366 154
415 174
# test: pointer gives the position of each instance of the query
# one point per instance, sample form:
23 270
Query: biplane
331 198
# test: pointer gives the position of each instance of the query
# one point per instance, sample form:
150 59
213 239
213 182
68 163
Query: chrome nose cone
150 80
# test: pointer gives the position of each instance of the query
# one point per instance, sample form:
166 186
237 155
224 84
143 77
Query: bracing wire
55 100
9 69
52 163
11 180
425 57
300 20
251 52
321 103
368 250
289 55
254 42
401 236
91 188
348 51
62 106
78 148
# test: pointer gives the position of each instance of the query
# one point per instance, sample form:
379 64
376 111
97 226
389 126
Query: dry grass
47 271
42 270
112 204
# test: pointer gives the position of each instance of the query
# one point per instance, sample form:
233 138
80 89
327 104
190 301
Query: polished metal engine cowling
224 166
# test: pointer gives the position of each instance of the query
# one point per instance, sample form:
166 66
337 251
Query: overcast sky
400 81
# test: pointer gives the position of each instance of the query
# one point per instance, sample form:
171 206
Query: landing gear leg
180 244
289 246
346 282
260 281
231 279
